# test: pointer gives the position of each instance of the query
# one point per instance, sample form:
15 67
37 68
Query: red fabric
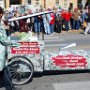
63 14
67 16
23 25
52 21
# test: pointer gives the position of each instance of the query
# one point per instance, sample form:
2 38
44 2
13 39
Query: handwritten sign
26 48
71 61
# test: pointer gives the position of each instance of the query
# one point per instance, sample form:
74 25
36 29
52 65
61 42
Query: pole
44 3
43 34
4 3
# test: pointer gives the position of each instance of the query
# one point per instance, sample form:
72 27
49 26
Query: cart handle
68 46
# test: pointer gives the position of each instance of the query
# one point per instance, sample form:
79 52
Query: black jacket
88 17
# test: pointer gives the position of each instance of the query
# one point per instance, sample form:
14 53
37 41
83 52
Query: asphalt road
62 80
70 81
56 41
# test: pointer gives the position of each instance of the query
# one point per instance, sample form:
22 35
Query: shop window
37 2
57 2
13 2
29 2
65 3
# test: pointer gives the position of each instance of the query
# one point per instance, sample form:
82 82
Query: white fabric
87 28
28 20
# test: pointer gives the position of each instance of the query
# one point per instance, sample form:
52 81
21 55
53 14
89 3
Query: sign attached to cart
26 48
70 61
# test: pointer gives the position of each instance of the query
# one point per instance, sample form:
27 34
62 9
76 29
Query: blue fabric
46 23
51 28
37 26
66 25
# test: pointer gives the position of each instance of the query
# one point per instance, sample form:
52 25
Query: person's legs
39 25
71 23
36 27
77 25
87 28
48 29
66 25
60 27
7 79
45 26
51 28
4 80
7 32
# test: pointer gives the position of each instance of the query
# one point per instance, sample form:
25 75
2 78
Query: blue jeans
52 28
47 28
77 24
37 27
5 79
73 24
66 25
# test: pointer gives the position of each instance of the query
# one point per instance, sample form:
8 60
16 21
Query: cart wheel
21 69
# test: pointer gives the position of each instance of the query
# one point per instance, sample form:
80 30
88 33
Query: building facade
43 3
1 3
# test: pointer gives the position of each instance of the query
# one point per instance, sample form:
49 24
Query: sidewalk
73 31
55 36
63 31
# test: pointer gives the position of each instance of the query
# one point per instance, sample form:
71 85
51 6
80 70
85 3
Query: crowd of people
58 20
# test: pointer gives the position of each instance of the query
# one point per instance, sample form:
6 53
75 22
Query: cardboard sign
26 48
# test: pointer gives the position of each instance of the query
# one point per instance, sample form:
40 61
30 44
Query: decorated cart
30 57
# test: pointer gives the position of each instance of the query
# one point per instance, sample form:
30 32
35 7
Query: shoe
85 33
15 88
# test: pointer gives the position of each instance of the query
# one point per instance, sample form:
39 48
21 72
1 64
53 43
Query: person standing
76 21
52 22
5 24
46 23
88 22
5 77
58 21
67 18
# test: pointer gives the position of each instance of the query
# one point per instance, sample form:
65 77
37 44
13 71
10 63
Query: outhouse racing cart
30 57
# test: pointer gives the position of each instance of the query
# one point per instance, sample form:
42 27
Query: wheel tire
19 74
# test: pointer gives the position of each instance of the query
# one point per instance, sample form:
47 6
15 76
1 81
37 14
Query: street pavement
72 86
62 80
76 81
59 40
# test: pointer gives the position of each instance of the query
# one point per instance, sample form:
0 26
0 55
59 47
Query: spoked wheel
21 70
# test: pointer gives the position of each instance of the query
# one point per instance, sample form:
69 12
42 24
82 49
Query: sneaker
60 33
85 33
15 88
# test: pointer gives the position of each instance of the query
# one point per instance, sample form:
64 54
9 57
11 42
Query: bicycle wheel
21 69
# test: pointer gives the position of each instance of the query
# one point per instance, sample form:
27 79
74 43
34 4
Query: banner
69 61
26 48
